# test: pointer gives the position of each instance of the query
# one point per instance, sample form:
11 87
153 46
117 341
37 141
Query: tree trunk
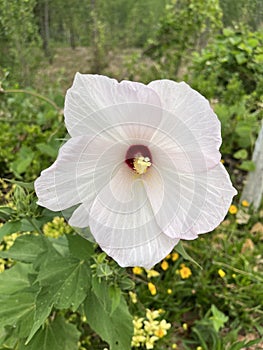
45 30
253 189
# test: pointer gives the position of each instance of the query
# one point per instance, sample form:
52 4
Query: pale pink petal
186 204
219 195
84 165
123 223
145 255
95 103
190 121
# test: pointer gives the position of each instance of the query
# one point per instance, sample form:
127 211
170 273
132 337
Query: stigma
141 164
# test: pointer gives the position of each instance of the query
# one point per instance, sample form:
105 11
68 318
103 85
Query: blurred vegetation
217 47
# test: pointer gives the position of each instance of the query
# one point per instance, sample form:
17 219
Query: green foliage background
58 290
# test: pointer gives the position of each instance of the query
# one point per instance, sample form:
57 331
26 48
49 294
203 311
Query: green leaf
26 248
241 154
18 309
227 31
64 284
240 58
57 335
180 249
126 284
17 298
16 278
24 158
115 328
218 318
9 227
26 185
253 42
259 58
61 276
80 247
115 295
48 149
248 165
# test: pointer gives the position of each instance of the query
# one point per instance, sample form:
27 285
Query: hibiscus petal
121 220
145 255
83 167
192 123
219 195
95 102
186 205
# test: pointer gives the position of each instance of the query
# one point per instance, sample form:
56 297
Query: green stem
241 272
35 94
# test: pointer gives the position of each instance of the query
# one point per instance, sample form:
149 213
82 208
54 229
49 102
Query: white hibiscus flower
142 164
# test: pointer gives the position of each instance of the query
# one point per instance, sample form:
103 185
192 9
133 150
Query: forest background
217 47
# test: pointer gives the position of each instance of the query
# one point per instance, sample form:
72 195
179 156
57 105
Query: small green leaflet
180 249
218 318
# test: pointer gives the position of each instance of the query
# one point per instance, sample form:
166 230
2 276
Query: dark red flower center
136 152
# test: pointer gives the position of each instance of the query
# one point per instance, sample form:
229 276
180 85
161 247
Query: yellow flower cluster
148 330
2 265
8 241
6 193
6 244
57 227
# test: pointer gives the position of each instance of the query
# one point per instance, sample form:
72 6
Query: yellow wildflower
137 340
152 315
150 342
199 348
161 331
164 265
174 346
175 256
185 326
150 326
169 291
185 272
152 273
245 203
233 209
221 273
2 265
137 322
133 297
137 270
152 288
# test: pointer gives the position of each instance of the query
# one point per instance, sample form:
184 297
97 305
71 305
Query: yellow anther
141 164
